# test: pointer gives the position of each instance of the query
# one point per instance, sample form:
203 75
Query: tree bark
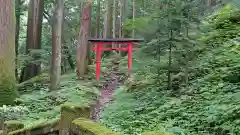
83 47
66 59
7 52
186 59
121 18
187 51
108 19
114 22
98 18
56 45
34 31
69 58
18 15
170 62
124 14
209 3
133 19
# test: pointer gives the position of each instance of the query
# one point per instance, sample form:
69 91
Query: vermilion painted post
98 60
130 45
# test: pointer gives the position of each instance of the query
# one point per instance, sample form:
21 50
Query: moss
69 113
40 128
80 110
13 125
40 79
83 126
8 91
156 133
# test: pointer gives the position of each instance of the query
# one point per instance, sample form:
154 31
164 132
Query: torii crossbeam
99 48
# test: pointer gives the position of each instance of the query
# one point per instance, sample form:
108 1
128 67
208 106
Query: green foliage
209 104
12 113
139 25
13 125
39 104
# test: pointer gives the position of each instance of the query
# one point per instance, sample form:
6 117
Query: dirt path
107 91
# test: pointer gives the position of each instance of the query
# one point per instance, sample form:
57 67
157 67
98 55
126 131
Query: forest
185 76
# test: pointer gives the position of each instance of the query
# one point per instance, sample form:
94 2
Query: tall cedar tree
7 52
56 45
134 16
34 30
18 15
98 18
83 47
108 19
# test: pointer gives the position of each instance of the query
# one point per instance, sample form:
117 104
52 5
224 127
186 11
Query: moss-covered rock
36 81
156 133
70 113
84 126
1 132
8 91
12 125
43 128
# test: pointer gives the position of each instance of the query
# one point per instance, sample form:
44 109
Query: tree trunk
83 47
170 62
124 14
18 15
121 18
125 6
66 59
98 18
56 45
209 3
114 22
7 52
69 58
133 19
34 31
186 59
187 51
120 30
108 19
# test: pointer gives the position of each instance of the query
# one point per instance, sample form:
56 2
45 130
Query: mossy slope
209 105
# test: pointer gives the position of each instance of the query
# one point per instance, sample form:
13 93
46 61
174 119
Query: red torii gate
100 42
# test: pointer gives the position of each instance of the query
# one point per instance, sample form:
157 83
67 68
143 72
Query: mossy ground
8 91
41 105
44 105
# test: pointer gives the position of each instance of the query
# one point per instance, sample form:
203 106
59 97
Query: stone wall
41 129
82 126
74 120
70 113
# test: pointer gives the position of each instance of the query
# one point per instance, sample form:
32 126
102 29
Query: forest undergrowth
37 104
40 105
209 105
